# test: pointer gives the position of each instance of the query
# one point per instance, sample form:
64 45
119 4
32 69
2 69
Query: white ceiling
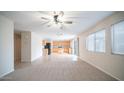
31 21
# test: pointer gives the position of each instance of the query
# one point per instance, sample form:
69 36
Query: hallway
57 67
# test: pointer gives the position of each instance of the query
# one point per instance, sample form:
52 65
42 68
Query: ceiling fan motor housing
56 18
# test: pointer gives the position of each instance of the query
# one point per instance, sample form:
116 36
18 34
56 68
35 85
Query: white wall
6 46
108 62
36 46
31 46
26 46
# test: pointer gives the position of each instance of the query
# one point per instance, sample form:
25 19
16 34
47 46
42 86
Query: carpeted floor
57 67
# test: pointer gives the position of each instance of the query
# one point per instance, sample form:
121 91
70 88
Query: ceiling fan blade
45 18
45 23
68 22
61 13
50 24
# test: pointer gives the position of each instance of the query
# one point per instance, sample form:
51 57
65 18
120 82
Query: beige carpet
57 67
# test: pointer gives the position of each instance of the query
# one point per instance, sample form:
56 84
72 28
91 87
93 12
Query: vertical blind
90 42
118 38
96 41
100 41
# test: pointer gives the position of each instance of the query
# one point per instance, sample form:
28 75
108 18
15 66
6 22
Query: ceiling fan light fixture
57 19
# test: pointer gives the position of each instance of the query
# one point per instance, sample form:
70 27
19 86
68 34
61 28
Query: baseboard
100 69
6 73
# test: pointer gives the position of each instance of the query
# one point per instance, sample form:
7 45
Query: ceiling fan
56 18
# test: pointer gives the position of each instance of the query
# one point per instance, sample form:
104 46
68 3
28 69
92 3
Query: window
100 41
96 42
90 42
118 38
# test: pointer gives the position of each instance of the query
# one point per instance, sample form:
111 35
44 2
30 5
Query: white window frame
87 42
95 42
104 41
112 39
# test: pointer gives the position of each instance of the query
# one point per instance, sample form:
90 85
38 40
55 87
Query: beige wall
17 47
108 62
6 46
26 46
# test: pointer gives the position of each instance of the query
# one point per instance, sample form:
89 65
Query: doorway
17 48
